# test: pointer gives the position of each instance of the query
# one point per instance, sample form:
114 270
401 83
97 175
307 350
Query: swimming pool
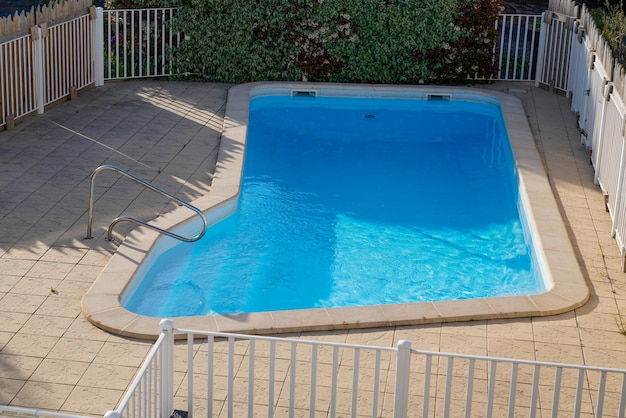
566 287
354 201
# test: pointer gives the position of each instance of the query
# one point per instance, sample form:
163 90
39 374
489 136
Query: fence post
97 28
541 54
36 36
403 367
167 368
112 414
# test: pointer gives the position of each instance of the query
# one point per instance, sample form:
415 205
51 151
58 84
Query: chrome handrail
137 221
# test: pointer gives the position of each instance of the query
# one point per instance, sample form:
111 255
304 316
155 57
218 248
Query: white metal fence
138 43
518 46
46 65
241 375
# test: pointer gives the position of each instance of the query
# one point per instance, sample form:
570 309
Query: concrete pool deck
168 133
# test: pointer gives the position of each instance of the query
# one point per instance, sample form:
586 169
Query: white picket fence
48 64
242 375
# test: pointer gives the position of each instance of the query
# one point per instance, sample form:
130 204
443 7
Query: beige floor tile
507 348
42 395
35 286
59 306
560 353
16 302
30 345
66 372
600 338
597 320
94 401
517 329
15 267
83 329
122 354
9 388
554 334
50 270
17 367
76 349
51 326
7 282
107 376
64 254
13 321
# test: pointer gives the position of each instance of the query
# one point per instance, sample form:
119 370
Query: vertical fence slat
231 374
333 382
355 382
470 388
210 357
190 367
251 357
557 392
600 398
427 371
376 387
313 384
270 401
513 390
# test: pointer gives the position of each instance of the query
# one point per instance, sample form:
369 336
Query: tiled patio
168 133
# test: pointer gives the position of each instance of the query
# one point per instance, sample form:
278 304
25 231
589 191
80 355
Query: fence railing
518 46
138 43
243 375
49 63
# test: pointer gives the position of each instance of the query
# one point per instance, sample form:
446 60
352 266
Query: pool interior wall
415 203
554 251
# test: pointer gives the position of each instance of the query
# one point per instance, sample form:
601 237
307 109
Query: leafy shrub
612 23
371 41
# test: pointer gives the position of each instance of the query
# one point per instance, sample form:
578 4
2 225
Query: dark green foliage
612 23
370 41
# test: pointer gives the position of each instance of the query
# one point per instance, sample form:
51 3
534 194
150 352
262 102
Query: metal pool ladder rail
137 221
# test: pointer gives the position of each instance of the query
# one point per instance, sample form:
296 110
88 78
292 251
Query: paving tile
80 328
9 389
51 326
17 302
64 254
66 372
123 354
31 345
35 286
7 282
17 367
11 267
42 395
50 270
59 305
94 401
76 349
107 376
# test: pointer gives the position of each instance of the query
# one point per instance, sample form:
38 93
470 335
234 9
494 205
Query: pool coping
102 307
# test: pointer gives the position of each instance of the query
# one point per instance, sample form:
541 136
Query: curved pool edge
101 305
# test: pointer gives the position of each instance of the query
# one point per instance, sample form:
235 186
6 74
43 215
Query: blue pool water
357 201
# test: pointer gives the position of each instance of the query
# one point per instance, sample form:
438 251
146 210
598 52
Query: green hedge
369 41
